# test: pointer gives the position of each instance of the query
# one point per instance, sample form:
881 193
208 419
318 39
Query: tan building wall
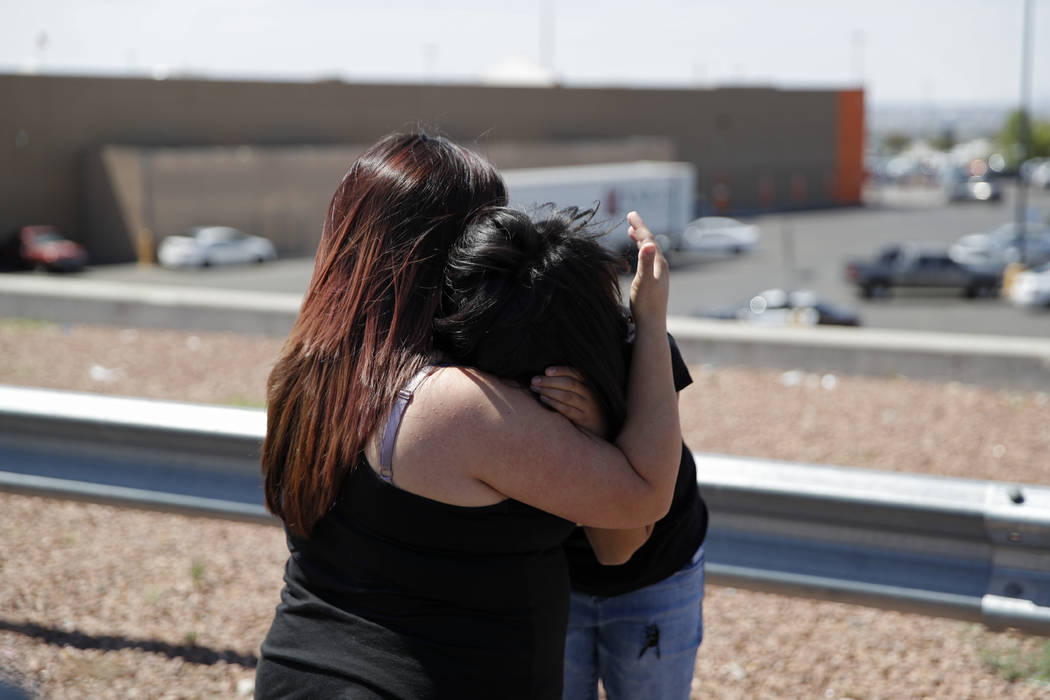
753 148
139 195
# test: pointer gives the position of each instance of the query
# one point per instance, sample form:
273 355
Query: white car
719 234
801 307
1037 172
1031 287
202 246
999 246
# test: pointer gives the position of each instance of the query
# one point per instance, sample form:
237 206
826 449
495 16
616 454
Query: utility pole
1025 126
42 40
857 55
546 35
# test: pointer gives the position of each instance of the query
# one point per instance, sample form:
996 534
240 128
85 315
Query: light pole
546 35
857 55
1024 127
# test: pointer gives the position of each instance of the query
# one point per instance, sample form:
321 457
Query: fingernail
549 371
536 381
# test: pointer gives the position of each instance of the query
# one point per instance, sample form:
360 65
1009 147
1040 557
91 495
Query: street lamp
1024 126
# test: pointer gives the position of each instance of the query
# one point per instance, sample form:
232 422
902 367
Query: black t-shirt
674 538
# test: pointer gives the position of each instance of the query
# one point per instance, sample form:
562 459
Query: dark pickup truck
916 266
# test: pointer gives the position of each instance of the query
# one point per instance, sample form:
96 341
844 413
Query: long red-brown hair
366 323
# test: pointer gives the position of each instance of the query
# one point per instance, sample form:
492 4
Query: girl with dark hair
425 502
522 295
526 300
638 625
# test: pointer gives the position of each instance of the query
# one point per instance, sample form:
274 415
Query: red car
42 247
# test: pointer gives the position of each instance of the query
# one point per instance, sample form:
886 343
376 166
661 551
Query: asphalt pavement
808 250
805 249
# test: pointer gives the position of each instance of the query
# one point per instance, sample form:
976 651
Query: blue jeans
641 644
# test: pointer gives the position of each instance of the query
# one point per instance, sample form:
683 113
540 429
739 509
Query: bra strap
393 423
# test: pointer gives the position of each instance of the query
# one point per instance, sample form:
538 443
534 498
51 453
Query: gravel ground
100 602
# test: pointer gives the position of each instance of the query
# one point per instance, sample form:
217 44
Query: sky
929 51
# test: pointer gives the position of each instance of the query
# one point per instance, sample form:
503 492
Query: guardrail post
1017 521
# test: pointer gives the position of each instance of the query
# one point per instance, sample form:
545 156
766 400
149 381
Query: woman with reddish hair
425 501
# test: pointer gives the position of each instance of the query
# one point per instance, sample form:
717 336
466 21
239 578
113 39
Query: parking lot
803 249
808 250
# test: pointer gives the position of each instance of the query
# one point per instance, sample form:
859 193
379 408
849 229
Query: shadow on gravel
79 640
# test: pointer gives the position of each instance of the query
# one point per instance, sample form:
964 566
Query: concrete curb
1003 361
150 306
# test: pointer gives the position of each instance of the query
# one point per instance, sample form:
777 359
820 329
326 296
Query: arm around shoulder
502 436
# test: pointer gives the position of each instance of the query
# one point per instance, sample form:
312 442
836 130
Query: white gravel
99 602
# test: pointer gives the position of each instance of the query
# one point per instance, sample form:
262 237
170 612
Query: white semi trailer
662 192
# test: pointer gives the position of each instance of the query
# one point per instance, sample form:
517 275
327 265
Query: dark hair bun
521 294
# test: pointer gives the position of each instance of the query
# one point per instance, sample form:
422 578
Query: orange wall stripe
849 146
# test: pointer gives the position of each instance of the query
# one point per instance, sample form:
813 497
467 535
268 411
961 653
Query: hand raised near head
651 284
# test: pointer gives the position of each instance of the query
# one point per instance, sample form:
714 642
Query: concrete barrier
144 305
1002 361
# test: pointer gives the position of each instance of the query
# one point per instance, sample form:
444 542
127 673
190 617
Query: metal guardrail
178 457
967 549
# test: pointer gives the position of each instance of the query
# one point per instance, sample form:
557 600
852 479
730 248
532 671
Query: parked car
781 308
1000 246
1031 288
719 234
976 188
202 246
41 247
914 265
1037 172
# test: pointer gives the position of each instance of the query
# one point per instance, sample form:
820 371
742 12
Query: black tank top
399 596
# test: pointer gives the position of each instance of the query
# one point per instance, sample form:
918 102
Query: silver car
202 246
1000 246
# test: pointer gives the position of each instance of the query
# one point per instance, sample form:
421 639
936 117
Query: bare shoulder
462 400
460 418
479 422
